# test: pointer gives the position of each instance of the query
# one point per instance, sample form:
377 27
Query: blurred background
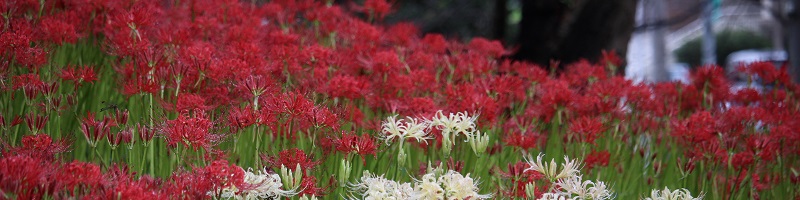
661 39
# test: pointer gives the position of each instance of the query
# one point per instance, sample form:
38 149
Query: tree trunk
568 31
500 17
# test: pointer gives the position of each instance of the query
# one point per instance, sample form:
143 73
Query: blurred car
745 57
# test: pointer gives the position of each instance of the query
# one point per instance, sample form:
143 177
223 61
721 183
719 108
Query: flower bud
344 172
530 190
291 179
447 144
401 157
479 142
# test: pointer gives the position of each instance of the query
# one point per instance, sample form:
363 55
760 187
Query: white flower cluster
451 125
411 128
450 185
373 187
667 194
259 186
458 123
568 181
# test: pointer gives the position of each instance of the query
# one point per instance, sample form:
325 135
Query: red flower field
300 99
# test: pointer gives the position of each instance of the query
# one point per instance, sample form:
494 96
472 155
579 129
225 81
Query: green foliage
728 41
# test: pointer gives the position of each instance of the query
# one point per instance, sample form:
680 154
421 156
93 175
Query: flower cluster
256 186
449 127
433 185
303 87
568 180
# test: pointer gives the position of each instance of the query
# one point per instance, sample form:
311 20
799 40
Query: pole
659 41
793 28
709 39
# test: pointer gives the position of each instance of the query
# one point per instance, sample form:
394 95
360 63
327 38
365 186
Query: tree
569 30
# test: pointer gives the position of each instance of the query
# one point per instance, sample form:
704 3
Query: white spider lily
457 186
456 123
391 128
377 187
569 169
588 189
428 188
410 128
554 196
667 194
261 186
417 129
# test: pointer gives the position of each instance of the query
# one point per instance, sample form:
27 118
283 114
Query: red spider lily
240 118
455 165
763 69
57 30
115 139
127 136
144 188
596 158
483 46
610 58
94 130
586 129
590 105
77 176
15 44
30 84
347 86
309 186
78 75
121 117
742 160
35 122
554 94
196 184
711 81
189 129
255 85
524 140
699 127
418 106
519 179
27 177
320 116
188 102
583 73
377 9
403 33
139 85
434 43
507 89
746 96
361 145
290 158
14 121
762 145
49 89
767 72
531 73
39 146
146 133
383 62
355 115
